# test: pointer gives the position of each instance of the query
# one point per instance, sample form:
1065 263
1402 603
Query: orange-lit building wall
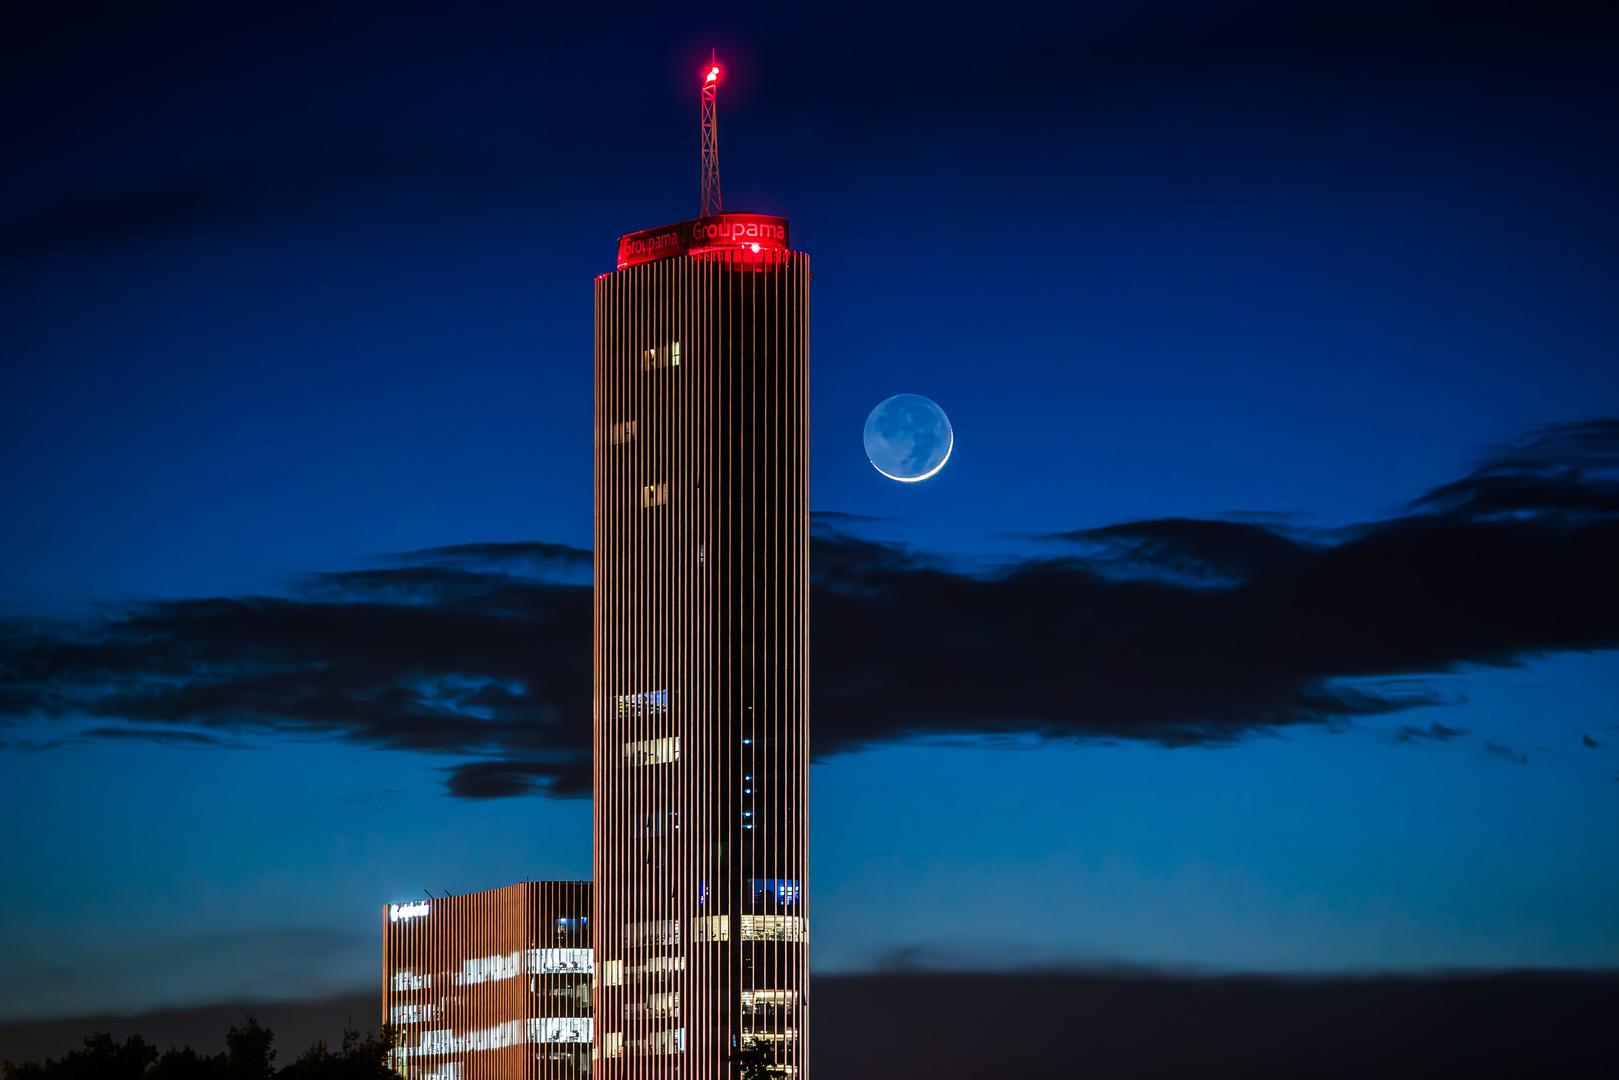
493 985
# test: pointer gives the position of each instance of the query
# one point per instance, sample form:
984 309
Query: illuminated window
559 1029
657 932
711 928
767 1002
667 1042
623 432
409 980
612 973
661 356
775 890
660 1006
661 965
613 1044
751 1037
484 969
410 1014
652 751
654 495
774 928
650 703
558 961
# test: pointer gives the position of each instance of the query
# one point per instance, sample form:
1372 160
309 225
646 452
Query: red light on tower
713 75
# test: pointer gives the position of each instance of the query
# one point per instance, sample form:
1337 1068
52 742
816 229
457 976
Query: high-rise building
492 985
701 694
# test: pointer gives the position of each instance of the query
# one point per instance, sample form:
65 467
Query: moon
908 438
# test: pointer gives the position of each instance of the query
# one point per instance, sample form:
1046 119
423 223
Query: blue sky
287 296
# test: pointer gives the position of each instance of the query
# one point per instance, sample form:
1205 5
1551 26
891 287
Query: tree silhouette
101 1059
249 1055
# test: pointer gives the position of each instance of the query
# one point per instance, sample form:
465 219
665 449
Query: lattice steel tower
713 202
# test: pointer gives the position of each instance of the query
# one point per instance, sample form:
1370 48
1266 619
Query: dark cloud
164 736
501 779
534 555
1506 753
1434 732
1174 631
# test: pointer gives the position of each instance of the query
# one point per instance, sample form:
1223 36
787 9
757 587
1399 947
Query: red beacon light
713 75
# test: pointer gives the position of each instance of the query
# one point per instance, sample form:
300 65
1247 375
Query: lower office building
492 985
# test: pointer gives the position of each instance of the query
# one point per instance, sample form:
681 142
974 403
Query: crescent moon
949 447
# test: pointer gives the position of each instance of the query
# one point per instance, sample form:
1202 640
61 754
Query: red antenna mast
712 203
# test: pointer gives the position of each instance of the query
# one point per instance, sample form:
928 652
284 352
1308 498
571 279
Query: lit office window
410 1014
667 1042
612 973
660 1006
484 969
751 1037
559 961
652 751
774 928
409 980
775 891
654 495
711 928
559 1029
656 932
661 356
650 703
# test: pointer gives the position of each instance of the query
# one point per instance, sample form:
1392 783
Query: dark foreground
948 1026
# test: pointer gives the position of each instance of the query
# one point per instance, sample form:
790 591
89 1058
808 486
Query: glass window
661 356
652 752
559 961
559 1029
775 890
774 928
650 703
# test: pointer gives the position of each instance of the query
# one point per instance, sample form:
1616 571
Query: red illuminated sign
733 232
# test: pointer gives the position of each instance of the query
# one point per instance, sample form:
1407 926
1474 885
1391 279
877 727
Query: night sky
1263 619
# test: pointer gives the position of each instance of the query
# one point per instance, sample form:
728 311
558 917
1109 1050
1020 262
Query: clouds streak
1175 631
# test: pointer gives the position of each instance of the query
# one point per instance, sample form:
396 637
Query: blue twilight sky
286 292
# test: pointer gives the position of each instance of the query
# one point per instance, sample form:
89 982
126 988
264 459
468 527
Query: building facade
492 985
701 697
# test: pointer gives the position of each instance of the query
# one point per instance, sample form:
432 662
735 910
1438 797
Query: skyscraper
702 647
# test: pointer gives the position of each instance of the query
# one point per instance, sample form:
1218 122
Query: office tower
492 985
702 647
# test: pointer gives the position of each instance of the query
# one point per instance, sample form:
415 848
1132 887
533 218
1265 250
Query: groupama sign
720 232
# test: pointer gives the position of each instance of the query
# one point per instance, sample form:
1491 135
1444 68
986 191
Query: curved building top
718 232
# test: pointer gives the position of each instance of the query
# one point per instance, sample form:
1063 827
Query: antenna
712 203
